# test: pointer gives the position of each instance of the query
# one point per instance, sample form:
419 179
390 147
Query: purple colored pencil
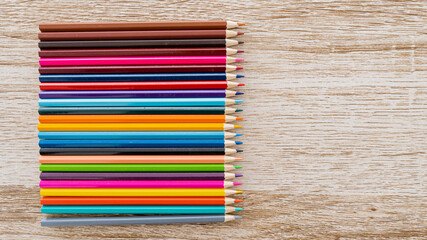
214 93
137 176
135 184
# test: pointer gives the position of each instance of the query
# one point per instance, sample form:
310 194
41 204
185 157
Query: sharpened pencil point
239 110
239 68
238 209
238 134
237 200
240 42
240 51
239 76
240 33
237 126
239 150
241 84
238 175
237 217
241 24
239 93
237 142
239 101
238 159
240 59
239 118
238 191
237 183
237 167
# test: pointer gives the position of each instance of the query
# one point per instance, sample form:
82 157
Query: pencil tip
238 209
237 126
240 33
239 76
240 59
239 150
237 200
238 175
238 191
236 183
239 118
237 217
239 93
238 101
241 84
241 24
240 51
238 159
240 42
237 142
239 68
237 167
238 134
239 110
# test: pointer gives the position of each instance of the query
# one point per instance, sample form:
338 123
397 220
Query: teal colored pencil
136 102
136 209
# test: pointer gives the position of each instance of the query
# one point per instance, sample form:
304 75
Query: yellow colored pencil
136 126
136 192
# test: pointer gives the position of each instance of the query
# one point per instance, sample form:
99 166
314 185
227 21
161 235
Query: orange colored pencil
138 200
137 118
139 159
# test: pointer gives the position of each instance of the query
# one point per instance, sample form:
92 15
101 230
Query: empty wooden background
335 117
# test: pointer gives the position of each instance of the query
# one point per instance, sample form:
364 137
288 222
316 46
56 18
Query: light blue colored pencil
136 209
155 135
136 102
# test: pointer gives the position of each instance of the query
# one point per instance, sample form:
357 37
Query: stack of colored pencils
134 119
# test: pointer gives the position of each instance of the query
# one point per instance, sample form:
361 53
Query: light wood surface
335 117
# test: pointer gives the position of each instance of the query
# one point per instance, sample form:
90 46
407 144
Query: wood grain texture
335 117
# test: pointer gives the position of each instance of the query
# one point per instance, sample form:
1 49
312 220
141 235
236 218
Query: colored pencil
134 77
137 118
67 135
135 126
123 52
107 209
119 35
211 93
138 167
134 110
137 26
164 43
91 221
137 102
162 60
157 176
139 159
135 184
137 192
138 151
160 85
135 143
138 69
138 201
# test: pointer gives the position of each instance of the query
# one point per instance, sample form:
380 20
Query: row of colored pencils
135 119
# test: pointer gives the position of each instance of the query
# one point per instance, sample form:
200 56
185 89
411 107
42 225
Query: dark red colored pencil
138 69
139 85
118 35
123 52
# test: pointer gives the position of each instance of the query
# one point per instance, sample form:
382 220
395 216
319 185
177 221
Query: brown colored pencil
123 52
118 35
137 26
138 69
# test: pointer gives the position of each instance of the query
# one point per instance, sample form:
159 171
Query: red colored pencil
138 200
139 85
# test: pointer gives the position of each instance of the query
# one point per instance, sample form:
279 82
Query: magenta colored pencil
136 184
162 60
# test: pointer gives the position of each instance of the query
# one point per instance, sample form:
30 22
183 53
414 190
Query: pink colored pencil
162 60
136 184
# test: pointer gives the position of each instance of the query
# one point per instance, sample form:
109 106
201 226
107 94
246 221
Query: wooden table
335 117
